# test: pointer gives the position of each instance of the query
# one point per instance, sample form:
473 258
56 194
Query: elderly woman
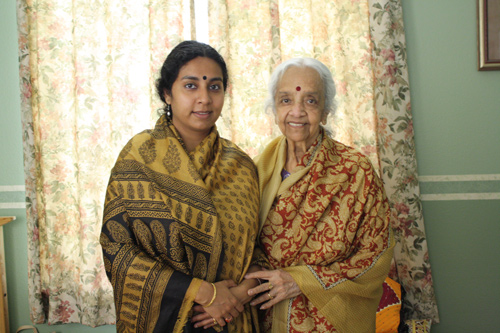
181 210
324 232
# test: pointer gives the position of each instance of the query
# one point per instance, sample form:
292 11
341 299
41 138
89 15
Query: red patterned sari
327 224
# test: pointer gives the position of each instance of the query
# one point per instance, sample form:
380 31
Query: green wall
456 119
456 113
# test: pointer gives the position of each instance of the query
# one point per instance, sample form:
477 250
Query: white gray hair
318 66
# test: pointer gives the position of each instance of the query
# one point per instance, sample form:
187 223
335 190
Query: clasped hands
226 306
273 287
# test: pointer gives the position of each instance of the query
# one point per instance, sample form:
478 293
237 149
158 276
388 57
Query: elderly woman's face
300 105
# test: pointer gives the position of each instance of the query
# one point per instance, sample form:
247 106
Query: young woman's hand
240 291
225 307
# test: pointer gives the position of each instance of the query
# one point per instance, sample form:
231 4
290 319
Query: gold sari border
187 304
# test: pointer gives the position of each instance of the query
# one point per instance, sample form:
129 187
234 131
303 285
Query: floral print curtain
363 43
87 73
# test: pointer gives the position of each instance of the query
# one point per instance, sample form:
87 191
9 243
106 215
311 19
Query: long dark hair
178 57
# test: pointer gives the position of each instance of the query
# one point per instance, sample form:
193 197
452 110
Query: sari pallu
327 225
173 219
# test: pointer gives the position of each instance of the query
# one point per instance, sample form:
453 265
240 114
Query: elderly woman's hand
279 286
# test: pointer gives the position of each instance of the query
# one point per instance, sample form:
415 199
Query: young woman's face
300 105
197 97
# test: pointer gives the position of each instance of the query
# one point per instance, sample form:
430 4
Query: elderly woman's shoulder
348 153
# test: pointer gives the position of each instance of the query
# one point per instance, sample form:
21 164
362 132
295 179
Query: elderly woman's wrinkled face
300 105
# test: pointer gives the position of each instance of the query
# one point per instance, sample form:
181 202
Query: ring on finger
215 321
270 296
228 320
270 285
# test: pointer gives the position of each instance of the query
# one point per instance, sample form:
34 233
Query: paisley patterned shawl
173 219
327 224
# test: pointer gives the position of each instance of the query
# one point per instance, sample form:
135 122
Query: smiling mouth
296 124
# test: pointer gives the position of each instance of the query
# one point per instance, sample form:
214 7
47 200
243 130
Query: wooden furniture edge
6 219
4 311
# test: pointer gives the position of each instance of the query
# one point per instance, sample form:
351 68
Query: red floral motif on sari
334 219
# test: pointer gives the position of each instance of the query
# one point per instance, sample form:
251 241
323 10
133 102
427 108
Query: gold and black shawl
173 219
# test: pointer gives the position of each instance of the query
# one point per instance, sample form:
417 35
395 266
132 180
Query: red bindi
298 88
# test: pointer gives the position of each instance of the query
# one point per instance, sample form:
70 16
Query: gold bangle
213 297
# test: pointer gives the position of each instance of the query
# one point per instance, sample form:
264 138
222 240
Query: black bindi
204 77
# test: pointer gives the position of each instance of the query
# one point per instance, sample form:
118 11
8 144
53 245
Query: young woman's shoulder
233 151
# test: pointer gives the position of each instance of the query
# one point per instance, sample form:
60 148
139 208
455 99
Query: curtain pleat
396 146
87 73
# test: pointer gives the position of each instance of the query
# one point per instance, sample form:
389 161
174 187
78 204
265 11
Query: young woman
181 210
